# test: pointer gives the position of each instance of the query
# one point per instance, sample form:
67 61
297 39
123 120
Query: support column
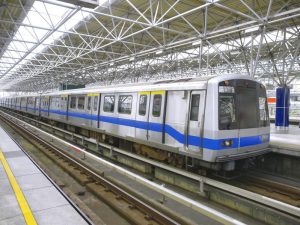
282 107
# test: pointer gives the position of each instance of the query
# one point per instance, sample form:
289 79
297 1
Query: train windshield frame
242 105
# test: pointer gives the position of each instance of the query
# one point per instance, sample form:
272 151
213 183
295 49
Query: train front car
241 129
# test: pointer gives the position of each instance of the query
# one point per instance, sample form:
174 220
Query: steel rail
197 206
82 214
142 206
272 203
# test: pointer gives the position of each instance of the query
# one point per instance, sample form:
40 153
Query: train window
262 110
143 105
81 102
52 102
30 101
109 103
95 103
55 102
73 103
247 107
125 104
89 103
156 105
195 107
226 111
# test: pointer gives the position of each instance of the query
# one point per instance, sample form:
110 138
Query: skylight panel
41 19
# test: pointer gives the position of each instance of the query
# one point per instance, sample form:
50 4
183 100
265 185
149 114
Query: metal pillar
282 107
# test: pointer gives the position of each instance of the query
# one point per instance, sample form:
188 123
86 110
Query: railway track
271 186
283 189
126 204
239 188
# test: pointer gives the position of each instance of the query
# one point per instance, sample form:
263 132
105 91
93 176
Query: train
208 123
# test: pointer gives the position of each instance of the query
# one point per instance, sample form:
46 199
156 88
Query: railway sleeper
119 203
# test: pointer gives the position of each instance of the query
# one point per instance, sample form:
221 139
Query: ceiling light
159 52
111 64
131 59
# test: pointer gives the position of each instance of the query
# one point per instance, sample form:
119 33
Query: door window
195 107
125 104
143 105
89 103
109 103
156 109
247 108
95 103
263 112
227 117
81 102
73 103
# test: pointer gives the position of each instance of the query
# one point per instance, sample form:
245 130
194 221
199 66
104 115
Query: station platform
26 195
286 141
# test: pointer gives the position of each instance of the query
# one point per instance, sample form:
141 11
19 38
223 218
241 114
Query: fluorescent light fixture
197 42
235 52
251 29
159 52
131 59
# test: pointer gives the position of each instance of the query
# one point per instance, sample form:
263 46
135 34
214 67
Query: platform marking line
27 213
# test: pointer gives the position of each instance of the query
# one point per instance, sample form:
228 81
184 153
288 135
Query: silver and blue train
194 122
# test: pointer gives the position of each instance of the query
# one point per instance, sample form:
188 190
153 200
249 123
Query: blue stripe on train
212 144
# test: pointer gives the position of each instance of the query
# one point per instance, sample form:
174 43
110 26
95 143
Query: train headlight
227 143
264 138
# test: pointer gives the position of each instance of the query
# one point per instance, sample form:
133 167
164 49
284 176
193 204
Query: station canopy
45 43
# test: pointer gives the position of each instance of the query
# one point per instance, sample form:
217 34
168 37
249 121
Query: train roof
175 84
172 84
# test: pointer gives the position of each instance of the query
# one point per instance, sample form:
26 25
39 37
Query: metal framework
133 40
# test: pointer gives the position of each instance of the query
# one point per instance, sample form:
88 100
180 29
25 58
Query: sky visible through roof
29 40
41 19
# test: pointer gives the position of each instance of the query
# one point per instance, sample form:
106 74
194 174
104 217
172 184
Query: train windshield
242 105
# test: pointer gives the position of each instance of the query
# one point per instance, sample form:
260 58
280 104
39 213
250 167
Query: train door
88 110
37 106
156 116
142 115
95 110
247 114
92 110
33 105
19 104
195 123
63 107
47 105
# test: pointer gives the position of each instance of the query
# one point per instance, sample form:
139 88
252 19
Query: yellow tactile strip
28 216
